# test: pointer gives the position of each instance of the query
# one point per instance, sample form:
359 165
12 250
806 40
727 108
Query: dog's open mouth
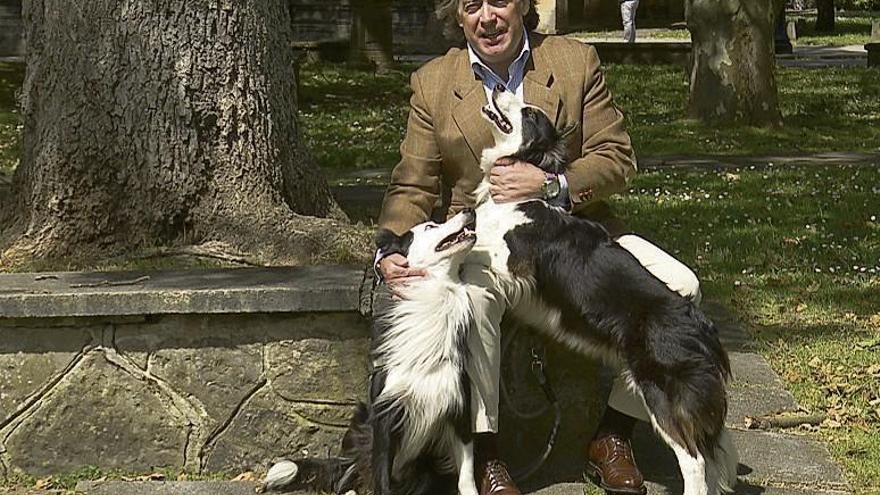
467 233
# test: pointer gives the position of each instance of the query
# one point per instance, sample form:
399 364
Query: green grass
855 30
794 252
353 119
832 109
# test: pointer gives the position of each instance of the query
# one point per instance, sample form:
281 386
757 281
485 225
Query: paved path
771 462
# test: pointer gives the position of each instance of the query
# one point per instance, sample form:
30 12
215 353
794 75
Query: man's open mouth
467 233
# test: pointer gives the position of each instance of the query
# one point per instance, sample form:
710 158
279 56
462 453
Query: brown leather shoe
610 464
495 480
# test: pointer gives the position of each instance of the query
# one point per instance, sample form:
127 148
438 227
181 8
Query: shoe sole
593 471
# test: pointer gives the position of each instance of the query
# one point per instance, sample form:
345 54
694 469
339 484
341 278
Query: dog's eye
430 226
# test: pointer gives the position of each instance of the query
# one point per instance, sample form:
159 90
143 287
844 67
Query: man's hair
447 12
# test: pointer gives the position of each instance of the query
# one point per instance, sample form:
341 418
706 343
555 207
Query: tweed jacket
446 134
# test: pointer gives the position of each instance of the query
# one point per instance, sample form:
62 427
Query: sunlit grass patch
823 110
795 252
353 119
848 30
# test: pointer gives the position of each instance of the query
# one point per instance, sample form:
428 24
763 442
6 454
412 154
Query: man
628 10
439 170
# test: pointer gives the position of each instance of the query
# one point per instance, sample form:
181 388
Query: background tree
731 79
824 16
372 39
163 123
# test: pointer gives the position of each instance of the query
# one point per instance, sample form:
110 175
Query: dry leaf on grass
246 476
44 483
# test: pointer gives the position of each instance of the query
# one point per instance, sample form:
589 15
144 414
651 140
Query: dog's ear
537 130
541 143
388 242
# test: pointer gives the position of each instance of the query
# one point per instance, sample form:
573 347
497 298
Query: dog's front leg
464 461
461 440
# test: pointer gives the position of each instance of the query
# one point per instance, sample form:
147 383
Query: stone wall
221 370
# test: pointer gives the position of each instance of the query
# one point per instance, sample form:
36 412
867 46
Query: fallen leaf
43 484
246 476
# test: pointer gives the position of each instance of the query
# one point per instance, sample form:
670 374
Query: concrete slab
244 290
756 390
167 487
675 488
766 459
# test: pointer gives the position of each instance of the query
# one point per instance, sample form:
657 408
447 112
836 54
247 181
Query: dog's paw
280 475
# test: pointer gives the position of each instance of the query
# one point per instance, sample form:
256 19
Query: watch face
551 187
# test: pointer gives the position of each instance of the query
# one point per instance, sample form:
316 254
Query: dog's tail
688 403
339 475
352 470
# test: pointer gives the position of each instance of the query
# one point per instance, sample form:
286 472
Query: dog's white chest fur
423 354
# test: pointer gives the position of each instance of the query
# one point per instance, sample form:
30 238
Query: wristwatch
551 187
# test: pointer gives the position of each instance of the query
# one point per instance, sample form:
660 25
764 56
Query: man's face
494 28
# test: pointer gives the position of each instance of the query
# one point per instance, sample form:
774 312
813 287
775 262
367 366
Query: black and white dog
566 277
414 437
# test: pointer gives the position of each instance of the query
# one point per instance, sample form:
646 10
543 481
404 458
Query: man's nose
487 13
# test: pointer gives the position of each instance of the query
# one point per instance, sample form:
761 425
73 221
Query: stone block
267 428
214 361
30 358
99 415
324 360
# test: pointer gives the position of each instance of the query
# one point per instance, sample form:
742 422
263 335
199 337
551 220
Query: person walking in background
628 14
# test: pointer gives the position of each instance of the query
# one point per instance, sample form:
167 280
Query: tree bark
825 16
162 123
732 76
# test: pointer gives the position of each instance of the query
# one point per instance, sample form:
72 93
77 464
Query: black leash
538 365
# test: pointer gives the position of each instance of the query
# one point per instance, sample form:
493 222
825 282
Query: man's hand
395 269
515 180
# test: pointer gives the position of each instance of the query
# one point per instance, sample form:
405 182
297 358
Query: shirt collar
514 72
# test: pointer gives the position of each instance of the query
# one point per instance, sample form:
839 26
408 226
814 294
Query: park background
780 219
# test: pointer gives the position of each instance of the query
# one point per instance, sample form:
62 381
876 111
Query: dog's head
525 132
439 249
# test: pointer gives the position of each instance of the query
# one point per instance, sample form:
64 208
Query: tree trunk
372 40
825 16
731 79
161 123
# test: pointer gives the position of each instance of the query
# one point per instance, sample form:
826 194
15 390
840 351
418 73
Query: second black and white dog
568 278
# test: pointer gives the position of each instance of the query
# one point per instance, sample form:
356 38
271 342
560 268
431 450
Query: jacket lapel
469 99
539 81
